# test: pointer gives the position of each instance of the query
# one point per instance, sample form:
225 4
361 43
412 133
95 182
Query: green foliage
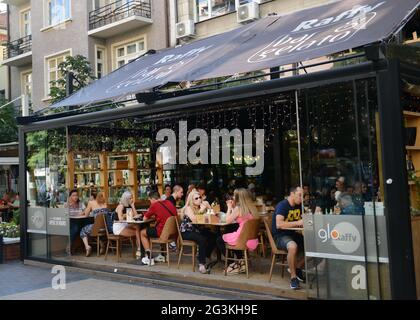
46 145
80 67
8 125
16 216
414 178
9 230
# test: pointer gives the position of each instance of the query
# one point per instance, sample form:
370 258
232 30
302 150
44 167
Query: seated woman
94 208
204 238
123 228
75 209
240 210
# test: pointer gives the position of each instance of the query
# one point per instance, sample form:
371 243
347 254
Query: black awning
269 42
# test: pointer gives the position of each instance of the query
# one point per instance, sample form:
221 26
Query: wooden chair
169 233
248 232
261 242
275 251
118 240
188 243
98 231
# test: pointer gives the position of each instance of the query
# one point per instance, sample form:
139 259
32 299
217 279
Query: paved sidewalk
18 281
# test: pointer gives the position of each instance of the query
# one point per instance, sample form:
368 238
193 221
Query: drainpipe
9 85
168 24
172 21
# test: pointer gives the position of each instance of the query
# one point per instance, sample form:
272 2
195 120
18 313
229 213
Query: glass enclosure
333 150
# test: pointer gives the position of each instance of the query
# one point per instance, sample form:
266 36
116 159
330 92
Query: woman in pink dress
240 210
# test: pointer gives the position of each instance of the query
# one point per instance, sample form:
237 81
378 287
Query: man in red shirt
161 210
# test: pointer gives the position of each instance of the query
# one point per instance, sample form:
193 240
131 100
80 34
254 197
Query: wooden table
137 222
218 224
294 229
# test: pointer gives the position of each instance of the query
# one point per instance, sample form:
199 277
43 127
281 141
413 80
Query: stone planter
11 249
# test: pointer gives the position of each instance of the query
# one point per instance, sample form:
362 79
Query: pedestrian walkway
22 282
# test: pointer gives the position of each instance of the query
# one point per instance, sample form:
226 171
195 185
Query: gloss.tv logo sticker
344 236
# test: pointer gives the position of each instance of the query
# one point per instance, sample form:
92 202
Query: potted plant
415 180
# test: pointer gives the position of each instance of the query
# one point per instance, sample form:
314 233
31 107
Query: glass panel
121 52
141 46
52 64
202 10
99 54
58 228
341 174
59 60
36 193
48 223
131 48
53 76
219 7
67 9
121 63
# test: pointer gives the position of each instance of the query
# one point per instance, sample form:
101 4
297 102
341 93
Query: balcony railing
117 11
18 47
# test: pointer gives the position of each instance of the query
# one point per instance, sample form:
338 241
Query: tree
81 69
8 125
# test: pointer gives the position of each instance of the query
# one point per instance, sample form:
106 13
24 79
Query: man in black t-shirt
177 193
288 214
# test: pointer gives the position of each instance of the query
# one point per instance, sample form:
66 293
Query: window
128 52
27 85
52 72
206 9
25 23
99 3
57 11
100 62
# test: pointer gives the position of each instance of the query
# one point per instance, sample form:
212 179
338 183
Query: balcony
15 2
19 52
118 18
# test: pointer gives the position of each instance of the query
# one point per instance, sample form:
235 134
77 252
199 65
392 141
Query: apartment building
3 69
203 18
109 33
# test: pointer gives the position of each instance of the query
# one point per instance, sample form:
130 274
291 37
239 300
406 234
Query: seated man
161 210
346 205
288 214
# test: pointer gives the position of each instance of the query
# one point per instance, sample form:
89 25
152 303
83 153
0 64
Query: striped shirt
75 210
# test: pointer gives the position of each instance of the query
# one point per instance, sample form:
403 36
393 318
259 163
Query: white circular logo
38 219
346 237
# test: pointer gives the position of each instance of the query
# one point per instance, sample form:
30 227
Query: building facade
212 17
109 33
3 69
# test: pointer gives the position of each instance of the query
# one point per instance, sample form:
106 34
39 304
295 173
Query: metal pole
298 139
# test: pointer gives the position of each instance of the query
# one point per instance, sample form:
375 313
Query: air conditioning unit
248 12
185 29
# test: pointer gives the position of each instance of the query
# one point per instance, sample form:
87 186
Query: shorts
152 232
118 227
282 241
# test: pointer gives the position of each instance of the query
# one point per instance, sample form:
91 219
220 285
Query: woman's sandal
236 268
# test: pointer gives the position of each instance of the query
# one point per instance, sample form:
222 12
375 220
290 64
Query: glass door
345 234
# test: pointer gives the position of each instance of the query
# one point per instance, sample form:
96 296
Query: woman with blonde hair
240 209
95 207
204 238
123 228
